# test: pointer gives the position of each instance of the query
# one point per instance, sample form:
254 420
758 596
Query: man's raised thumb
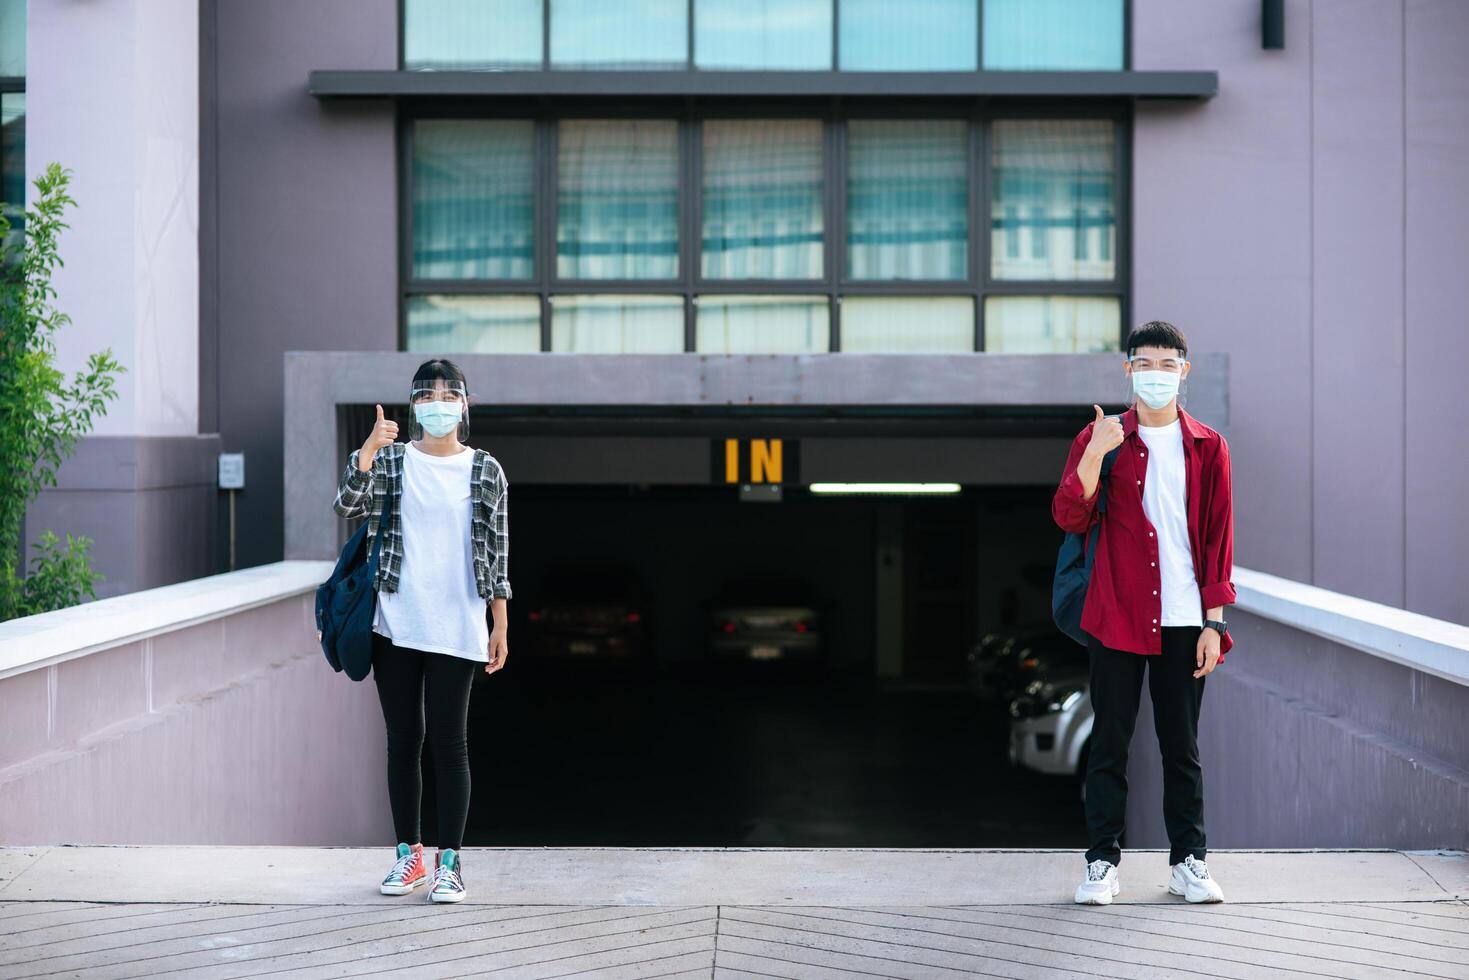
1100 414
380 413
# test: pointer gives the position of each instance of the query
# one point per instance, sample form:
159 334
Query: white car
1051 725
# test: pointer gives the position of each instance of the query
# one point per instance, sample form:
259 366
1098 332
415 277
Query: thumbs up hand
1106 434
384 433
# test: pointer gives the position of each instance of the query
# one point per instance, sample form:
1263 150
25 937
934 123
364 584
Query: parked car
765 622
1051 724
993 671
590 611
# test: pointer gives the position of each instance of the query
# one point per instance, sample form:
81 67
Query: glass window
617 207
907 199
592 34
908 324
1052 324
1051 212
617 324
451 35
13 38
13 161
474 324
916 35
473 199
762 199
789 35
1053 34
762 324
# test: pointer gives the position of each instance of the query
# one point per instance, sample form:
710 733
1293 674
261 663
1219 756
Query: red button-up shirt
1122 603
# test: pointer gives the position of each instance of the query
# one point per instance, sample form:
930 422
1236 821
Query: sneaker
408 873
1101 884
1191 879
448 883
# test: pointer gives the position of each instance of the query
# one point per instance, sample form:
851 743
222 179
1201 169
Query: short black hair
439 369
1157 333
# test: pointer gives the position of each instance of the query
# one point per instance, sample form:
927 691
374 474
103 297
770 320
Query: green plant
42 415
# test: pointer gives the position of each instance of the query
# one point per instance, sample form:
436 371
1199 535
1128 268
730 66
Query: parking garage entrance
767 662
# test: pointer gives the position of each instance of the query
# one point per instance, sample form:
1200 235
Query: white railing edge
1433 646
33 642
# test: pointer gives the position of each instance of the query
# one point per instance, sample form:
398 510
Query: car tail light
801 627
633 617
1029 663
535 616
728 626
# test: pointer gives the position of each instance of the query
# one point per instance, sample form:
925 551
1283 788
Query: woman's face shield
439 407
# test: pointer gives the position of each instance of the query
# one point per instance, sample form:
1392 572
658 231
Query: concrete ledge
1433 646
707 876
55 637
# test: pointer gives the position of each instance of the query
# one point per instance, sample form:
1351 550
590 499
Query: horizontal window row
749 324
769 35
760 188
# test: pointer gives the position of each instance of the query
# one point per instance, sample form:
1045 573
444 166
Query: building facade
908 238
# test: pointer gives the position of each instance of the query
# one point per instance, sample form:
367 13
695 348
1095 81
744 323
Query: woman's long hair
439 369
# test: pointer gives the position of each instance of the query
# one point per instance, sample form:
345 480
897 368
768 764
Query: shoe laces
1199 869
447 879
1097 870
400 869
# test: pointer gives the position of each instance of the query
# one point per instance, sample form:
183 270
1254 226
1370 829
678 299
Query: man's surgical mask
438 418
1155 388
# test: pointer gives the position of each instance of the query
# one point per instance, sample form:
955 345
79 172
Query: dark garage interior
666 743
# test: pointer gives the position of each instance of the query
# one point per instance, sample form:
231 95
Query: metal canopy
332 84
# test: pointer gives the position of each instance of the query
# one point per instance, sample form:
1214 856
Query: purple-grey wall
1307 743
303 202
1312 220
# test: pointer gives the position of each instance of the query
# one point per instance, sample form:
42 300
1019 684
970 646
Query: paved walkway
207 912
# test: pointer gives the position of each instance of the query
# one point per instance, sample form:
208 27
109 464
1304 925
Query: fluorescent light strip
890 488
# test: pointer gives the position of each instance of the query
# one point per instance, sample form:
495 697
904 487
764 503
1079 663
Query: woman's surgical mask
438 406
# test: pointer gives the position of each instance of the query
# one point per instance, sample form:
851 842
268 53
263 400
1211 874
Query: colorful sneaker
1101 884
448 881
408 872
1191 879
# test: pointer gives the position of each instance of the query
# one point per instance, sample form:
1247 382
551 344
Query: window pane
1051 214
908 324
474 324
1052 324
451 35
907 199
1053 34
592 34
765 34
916 35
762 199
13 37
762 324
473 199
617 324
13 162
617 214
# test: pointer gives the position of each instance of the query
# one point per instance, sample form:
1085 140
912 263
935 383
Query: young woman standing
444 567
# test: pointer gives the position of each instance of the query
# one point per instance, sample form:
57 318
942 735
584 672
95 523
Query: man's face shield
439 407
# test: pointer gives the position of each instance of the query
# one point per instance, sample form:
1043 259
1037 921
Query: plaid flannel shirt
361 494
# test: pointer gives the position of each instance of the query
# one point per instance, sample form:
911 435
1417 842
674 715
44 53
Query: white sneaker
1191 879
1101 884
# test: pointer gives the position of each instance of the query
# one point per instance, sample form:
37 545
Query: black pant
403 676
1116 687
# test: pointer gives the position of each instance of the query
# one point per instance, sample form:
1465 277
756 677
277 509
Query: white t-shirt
1165 502
437 607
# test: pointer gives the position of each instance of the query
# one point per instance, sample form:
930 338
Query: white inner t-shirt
1165 502
437 607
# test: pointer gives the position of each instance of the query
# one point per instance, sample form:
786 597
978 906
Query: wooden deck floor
359 934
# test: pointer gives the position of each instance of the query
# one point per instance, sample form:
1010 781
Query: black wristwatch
1217 625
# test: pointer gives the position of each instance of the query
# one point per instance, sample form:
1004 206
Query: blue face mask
1155 388
438 418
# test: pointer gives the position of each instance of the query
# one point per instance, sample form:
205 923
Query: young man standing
1155 605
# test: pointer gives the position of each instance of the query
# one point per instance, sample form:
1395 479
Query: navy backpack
1074 565
346 603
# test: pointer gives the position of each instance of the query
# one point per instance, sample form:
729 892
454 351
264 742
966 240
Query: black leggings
401 674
